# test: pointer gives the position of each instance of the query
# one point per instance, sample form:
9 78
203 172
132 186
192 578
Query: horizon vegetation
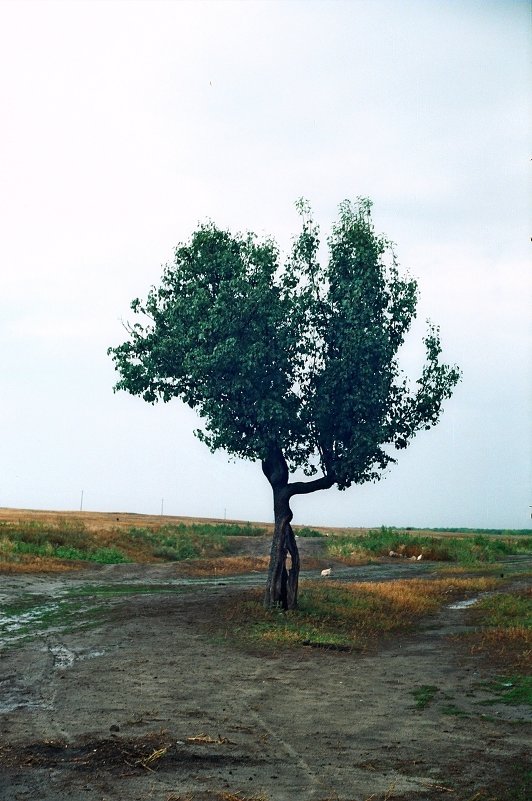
29 545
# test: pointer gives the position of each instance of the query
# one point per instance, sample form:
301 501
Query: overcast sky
124 124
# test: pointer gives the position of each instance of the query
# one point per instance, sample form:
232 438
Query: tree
293 364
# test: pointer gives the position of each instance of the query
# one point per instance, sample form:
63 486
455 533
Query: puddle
464 604
14 624
14 696
46 618
91 655
15 699
64 657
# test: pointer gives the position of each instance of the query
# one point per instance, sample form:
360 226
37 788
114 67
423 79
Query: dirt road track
145 705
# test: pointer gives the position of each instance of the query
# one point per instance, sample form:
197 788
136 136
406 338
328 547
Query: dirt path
142 704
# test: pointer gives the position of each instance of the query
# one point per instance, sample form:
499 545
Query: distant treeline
502 531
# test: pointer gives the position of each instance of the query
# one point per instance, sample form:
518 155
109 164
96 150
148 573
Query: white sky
124 124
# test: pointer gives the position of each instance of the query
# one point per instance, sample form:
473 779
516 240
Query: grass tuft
510 690
503 634
424 695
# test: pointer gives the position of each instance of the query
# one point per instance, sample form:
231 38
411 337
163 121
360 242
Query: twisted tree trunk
282 582
281 586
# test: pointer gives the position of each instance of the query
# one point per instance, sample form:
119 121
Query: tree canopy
291 362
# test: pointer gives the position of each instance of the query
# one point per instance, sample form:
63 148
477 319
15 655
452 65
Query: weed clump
504 630
465 550
31 544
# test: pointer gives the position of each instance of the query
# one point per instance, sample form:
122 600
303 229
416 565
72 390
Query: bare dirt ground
145 705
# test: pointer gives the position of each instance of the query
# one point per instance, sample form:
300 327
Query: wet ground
111 688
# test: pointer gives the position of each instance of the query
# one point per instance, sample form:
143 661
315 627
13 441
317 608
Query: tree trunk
282 583
281 587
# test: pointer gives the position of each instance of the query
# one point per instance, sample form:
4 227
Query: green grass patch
491 531
72 541
503 633
515 690
215 531
350 615
424 695
305 531
453 710
64 540
506 609
33 617
22 605
72 533
101 555
177 543
466 550
109 590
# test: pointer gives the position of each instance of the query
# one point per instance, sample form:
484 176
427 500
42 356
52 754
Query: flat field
151 681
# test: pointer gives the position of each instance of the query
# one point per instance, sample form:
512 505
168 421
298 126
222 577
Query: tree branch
305 487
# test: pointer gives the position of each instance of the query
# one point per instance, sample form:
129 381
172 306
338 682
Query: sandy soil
146 705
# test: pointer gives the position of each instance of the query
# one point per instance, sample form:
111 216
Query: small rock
115 727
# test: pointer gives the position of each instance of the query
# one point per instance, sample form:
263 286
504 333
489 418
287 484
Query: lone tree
293 364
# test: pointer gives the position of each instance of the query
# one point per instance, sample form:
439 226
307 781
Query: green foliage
107 556
424 695
296 357
64 532
454 711
506 610
504 531
93 554
466 550
76 543
175 543
305 531
62 540
216 530
510 690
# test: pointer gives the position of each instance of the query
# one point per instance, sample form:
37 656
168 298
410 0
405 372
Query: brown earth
146 705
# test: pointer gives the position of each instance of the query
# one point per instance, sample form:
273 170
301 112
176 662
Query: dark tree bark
282 582
281 587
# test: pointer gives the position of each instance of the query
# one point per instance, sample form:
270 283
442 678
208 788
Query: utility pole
162 506
81 502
